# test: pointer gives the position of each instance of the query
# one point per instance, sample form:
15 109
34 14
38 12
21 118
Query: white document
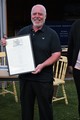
20 55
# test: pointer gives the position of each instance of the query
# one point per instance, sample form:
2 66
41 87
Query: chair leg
55 90
64 93
15 92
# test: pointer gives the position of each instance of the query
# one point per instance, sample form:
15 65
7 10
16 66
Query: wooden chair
4 75
59 69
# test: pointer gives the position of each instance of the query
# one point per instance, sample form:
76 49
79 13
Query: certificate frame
20 55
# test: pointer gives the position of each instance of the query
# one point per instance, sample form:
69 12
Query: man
39 83
74 56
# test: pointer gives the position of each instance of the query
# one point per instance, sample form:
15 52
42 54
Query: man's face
38 16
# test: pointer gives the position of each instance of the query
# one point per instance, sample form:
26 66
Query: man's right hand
3 41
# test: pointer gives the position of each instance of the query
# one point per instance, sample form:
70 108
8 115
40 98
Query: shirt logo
43 38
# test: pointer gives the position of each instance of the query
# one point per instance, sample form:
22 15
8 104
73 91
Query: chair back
3 58
60 68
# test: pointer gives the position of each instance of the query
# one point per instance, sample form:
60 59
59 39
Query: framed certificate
20 55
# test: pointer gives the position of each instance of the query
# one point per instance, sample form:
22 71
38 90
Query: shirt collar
42 29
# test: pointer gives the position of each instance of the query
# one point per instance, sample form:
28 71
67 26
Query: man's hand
3 41
38 69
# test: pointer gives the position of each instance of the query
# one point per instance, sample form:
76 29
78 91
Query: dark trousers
76 75
43 92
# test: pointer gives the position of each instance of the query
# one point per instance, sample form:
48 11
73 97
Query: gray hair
39 5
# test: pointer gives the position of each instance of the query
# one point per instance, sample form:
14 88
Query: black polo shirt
44 43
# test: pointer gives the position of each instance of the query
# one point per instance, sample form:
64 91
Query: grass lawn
10 110
63 111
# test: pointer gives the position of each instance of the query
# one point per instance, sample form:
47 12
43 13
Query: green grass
10 110
63 111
